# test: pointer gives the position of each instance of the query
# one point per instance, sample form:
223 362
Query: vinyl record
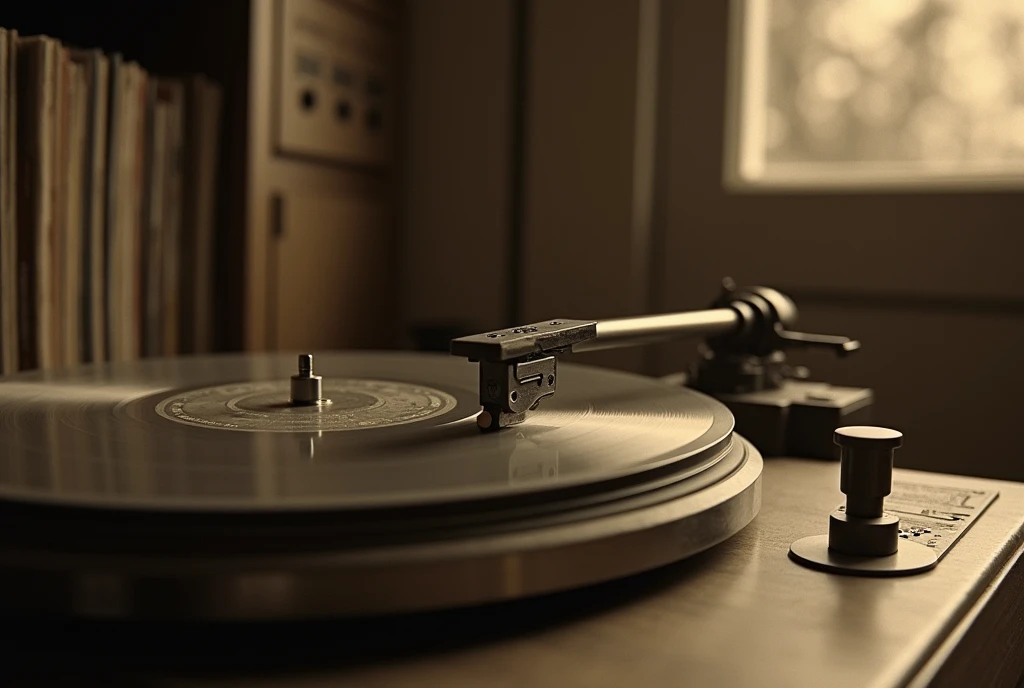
218 432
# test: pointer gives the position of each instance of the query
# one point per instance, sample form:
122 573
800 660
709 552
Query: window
876 93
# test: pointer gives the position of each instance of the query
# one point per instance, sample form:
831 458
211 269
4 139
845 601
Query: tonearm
746 332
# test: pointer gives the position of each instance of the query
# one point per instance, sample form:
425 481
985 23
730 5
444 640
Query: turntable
393 517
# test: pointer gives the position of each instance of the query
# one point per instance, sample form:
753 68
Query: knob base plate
910 558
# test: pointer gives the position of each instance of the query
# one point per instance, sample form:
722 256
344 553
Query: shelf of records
107 207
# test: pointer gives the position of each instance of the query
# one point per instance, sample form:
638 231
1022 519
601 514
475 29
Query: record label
263 406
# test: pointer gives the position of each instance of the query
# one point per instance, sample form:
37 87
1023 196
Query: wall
458 163
930 282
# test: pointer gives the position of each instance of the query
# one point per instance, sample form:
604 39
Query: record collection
107 206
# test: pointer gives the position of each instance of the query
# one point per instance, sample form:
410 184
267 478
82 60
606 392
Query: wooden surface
739 614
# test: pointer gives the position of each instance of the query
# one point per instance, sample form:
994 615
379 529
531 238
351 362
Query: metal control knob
307 388
865 477
862 537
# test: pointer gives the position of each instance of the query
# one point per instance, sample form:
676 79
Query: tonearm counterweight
743 363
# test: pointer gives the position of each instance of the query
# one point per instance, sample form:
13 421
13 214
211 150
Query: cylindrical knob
865 476
307 388
865 472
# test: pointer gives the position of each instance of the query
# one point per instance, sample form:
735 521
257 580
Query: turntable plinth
739 614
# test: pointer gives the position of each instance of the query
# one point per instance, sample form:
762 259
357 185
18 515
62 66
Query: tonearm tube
746 332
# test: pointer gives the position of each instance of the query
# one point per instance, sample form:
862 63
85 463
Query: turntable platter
218 432
194 489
